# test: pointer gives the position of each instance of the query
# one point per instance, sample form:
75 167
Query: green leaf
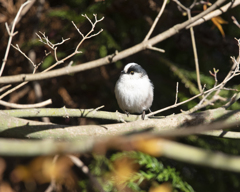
47 62
103 51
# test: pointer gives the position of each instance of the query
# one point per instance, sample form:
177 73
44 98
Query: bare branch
18 49
214 74
235 22
156 20
11 34
78 29
156 49
26 106
60 43
17 87
85 170
215 13
99 108
4 88
8 30
93 35
44 39
88 36
232 73
176 98
188 10
105 60
52 185
173 106
25 10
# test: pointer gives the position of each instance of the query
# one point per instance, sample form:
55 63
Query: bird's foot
143 115
127 113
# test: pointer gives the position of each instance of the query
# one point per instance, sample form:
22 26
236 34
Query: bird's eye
132 72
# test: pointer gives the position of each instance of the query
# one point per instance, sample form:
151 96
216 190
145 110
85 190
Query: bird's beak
122 72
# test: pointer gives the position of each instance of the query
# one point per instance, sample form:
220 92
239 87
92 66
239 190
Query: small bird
134 90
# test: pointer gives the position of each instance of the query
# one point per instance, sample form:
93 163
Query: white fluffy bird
134 90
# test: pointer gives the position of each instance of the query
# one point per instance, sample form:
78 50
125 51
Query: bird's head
133 71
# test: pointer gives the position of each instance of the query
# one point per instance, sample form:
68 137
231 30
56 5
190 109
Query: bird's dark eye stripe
137 69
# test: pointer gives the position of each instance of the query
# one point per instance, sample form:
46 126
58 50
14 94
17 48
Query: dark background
126 24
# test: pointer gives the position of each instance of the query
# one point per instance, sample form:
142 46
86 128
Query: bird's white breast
134 95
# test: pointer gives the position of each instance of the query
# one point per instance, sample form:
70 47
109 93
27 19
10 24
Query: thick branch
181 152
20 128
109 59
43 147
166 148
64 112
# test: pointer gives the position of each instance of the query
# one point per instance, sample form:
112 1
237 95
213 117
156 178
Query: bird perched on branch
134 90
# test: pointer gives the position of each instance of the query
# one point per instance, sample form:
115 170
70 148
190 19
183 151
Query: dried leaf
5 187
165 187
149 146
43 170
124 168
217 21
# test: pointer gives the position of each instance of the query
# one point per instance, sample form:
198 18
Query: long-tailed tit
134 90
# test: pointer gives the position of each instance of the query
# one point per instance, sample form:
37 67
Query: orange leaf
217 21
165 187
149 146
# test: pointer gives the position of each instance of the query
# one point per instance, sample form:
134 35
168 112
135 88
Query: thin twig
188 10
233 99
156 49
214 74
52 185
215 13
17 48
4 88
13 89
26 106
203 105
235 21
16 87
99 108
25 10
79 163
103 61
173 106
44 39
156 20
176 98
85 170
232 73
11 34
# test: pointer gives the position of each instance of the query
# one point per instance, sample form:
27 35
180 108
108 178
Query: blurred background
126 24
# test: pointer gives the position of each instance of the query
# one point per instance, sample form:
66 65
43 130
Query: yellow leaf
124 169
165 187
217 21
149 146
